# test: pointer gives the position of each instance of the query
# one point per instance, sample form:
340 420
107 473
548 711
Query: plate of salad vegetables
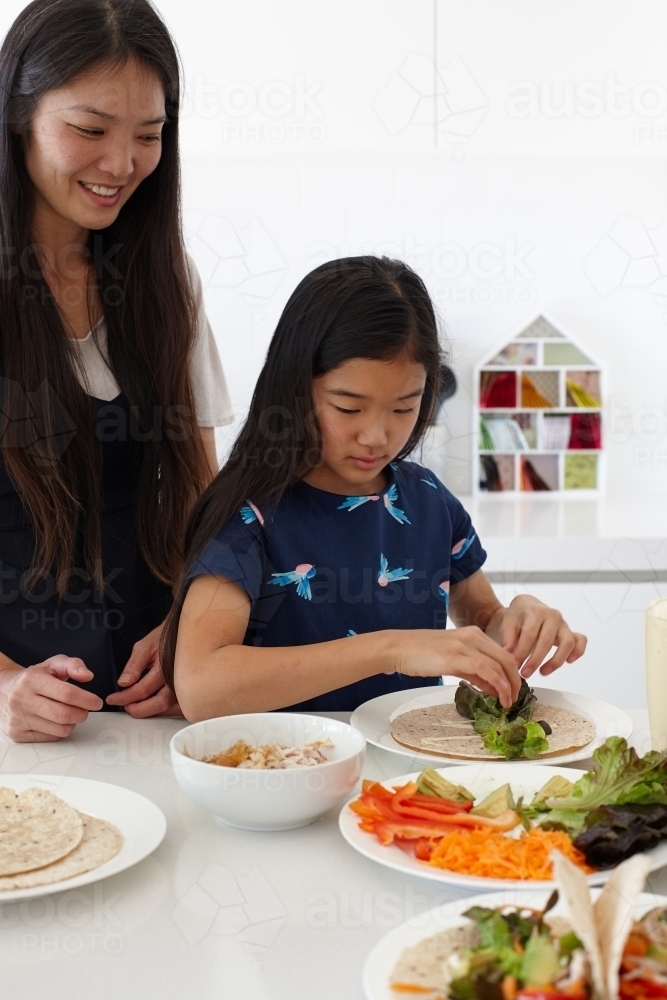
573 942
495 825
455 725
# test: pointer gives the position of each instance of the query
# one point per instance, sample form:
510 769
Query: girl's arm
527 628
215 674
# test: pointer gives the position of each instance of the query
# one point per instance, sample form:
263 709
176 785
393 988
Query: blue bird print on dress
394 466
387 575
429 482
300 576
462 547
443 592
250 513
351 631
351 503
390 497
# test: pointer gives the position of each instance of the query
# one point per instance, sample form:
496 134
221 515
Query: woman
110 380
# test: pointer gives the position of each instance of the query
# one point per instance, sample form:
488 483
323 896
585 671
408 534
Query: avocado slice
496 803
539 965
555 788
432 783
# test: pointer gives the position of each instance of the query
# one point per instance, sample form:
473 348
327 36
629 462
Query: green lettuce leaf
619 777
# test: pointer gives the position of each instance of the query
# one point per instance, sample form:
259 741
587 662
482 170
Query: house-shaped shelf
538 409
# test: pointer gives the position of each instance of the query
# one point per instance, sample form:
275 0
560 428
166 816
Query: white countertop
615 537
315 907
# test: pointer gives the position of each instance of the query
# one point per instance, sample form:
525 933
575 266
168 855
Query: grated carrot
491 854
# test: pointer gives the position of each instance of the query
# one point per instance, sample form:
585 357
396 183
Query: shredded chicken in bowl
274 756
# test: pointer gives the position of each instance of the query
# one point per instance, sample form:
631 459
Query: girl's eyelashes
341 409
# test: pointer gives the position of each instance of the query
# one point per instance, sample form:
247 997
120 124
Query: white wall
545 131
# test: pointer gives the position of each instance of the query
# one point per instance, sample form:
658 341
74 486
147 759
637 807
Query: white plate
480 779
374 717
139 820
380 963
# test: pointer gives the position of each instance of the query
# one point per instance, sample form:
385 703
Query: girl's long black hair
46 424
355 307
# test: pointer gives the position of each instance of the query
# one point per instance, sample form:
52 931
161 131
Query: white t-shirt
212 402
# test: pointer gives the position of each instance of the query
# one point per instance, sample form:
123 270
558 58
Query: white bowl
267 799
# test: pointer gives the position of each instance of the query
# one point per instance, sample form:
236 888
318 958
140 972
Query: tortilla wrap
441 731
100 843
423 964
36 829
603 926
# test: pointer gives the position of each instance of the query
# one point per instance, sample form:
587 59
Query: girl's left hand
145 693
529 629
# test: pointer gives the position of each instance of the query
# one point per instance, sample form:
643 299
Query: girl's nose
373 436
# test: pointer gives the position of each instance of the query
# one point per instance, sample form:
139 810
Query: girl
321 563
110 382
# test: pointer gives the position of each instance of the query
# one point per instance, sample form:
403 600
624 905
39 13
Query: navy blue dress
100 628
322 566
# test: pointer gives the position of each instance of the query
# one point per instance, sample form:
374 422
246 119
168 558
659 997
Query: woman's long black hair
46 423
356 307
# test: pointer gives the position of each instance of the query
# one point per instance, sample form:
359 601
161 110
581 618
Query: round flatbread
422 966
100 843
36 829
441 731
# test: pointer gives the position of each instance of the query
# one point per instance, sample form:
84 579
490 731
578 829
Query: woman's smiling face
101 129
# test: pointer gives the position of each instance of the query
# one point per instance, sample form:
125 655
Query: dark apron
100 628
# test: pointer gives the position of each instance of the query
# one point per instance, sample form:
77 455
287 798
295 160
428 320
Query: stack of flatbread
44 840
440 730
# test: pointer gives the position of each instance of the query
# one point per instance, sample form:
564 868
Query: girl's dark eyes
341 410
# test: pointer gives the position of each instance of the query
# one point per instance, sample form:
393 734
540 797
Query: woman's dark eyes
95 132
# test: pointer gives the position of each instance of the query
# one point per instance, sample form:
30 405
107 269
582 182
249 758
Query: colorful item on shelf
556 432
502 434
579 395
580 472
518 354
530 478
498 390
531 395
564 354
490 477
586 431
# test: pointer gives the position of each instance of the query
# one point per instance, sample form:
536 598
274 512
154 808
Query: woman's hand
145 693
37 705
529 629
463 652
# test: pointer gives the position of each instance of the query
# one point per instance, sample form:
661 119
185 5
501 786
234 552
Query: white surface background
305 137
215 913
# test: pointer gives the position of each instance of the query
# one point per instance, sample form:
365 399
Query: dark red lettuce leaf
614 833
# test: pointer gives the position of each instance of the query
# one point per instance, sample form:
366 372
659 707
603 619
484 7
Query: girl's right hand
463 652
37 705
